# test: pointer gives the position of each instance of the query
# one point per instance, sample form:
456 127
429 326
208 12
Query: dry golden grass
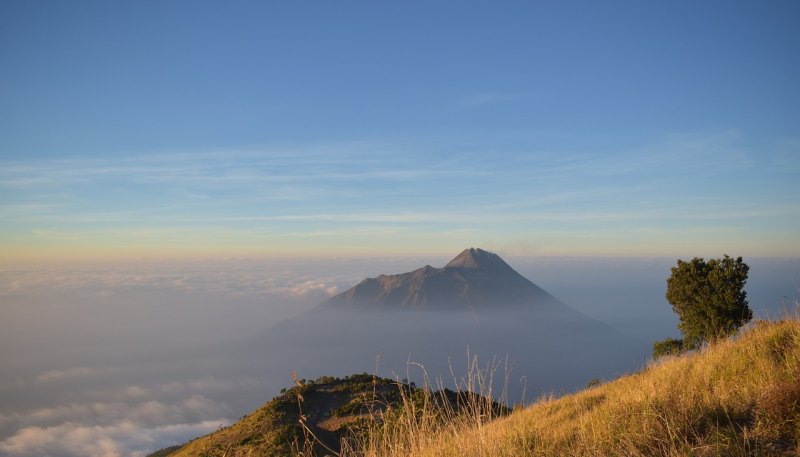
738 397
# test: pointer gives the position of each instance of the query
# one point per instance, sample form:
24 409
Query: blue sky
363 128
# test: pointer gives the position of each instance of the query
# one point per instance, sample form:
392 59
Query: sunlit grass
738 397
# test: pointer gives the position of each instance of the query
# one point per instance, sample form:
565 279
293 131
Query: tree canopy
709 298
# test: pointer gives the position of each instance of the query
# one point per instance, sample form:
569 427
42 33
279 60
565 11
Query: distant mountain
475 304
473 280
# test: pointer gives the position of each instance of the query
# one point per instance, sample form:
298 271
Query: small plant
669 346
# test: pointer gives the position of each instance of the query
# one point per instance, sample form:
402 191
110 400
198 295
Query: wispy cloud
342 189
60 375
285 281
109 440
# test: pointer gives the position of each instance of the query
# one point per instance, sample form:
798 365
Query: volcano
476 304
474 280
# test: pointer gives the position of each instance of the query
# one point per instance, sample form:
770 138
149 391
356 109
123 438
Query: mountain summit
477 259
474 280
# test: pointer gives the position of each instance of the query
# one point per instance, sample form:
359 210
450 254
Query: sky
207 129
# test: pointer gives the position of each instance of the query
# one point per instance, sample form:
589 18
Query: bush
669 346
709 298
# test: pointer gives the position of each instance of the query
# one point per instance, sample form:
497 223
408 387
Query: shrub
669 346
709 298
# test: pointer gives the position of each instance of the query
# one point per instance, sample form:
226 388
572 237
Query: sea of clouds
121 360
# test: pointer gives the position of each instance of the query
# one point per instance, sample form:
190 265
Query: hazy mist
123 360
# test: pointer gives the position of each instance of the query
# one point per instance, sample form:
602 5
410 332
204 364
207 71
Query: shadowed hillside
313 417
330 406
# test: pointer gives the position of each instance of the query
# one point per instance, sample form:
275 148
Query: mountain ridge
331 408
473 280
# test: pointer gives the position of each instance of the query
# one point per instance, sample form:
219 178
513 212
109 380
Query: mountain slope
331 409
330 406
738 397
473 280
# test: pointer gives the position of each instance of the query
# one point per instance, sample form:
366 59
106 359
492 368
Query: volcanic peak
474 279
476 258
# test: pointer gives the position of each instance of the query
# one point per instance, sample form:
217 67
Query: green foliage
669 346
325 380
709 298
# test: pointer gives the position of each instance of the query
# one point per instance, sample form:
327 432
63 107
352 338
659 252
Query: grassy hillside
313 417
329 406
738 397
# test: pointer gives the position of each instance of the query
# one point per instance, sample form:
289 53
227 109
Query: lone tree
709 299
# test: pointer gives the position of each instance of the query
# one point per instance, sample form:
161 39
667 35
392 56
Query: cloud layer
110 360
118 360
